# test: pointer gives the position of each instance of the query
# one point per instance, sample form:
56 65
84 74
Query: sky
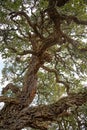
1 66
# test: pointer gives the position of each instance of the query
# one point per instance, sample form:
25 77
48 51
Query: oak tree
43 44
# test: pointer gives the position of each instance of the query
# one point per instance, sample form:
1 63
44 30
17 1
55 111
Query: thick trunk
30 81
11 118
17 115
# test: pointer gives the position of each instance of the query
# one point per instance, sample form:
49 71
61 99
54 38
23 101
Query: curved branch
75 43
70 40
74 19
49 42
32 25
12 87
57 77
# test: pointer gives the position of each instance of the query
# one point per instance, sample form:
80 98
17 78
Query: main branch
39 116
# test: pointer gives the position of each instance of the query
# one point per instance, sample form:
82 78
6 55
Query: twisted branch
32 25
57 77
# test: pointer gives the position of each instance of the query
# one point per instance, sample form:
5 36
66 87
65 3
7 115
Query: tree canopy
44 47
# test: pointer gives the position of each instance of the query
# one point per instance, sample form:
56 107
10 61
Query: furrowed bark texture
30 81
11 118
17 113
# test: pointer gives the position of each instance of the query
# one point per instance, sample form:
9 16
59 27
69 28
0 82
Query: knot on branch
46 57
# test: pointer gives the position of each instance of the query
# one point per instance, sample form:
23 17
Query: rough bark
12 118
17 112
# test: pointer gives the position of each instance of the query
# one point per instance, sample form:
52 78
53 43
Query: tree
44 46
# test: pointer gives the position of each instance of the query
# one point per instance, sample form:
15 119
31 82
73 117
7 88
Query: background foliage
70 62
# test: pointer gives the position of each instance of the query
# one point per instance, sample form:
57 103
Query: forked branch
57 77
30 23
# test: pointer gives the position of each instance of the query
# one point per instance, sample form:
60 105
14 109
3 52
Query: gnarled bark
39 116
17 112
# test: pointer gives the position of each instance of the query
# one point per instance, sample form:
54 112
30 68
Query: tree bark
12 118
17 112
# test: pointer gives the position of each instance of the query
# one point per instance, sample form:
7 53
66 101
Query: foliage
24 26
